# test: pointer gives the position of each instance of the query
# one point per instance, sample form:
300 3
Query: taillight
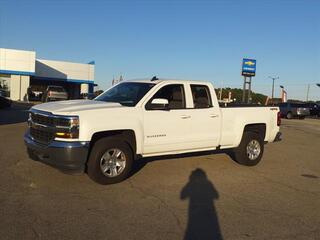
49 93
278 119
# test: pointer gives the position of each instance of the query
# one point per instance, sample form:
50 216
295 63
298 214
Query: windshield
127 93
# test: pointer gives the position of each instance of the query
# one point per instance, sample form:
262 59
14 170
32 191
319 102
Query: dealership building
20 70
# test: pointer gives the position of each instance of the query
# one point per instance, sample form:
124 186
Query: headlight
67 127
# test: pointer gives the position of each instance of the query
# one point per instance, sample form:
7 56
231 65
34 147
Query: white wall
17 60
84 88
18 87
64 70
23 64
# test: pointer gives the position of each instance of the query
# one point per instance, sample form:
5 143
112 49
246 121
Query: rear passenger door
205 119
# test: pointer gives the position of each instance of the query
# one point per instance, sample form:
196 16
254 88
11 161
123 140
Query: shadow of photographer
202 217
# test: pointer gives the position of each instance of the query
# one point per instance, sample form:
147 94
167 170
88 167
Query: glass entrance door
5 85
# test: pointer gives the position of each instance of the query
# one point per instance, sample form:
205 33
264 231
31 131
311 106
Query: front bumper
69 157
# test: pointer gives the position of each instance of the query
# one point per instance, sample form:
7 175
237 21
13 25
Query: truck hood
72 106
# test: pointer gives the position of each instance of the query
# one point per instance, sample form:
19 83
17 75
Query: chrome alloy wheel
253 149
113 162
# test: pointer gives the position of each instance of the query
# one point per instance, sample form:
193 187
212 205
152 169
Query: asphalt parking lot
205 196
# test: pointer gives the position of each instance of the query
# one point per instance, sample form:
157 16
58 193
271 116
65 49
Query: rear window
56 89
201 96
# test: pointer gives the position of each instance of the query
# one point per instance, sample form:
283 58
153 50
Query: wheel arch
127 135
259 128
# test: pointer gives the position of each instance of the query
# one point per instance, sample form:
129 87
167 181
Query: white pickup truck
143 118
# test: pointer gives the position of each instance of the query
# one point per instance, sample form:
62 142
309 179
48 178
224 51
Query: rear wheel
250 150
110 161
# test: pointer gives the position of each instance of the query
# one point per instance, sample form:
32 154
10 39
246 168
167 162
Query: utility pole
308 89
273 78
220 94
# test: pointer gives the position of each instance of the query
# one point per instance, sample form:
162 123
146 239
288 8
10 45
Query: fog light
67 135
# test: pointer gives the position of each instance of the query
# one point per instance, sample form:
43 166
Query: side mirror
159 104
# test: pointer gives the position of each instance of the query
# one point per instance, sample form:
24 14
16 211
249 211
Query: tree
236 93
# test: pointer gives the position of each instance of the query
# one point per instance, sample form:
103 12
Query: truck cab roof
160 80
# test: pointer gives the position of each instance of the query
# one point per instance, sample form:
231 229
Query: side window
174 93
201 96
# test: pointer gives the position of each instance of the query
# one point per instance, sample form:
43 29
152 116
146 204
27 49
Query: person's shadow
202 217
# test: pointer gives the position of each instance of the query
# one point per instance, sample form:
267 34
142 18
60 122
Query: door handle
214 115
185 116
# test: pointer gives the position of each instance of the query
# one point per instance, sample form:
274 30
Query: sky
199 40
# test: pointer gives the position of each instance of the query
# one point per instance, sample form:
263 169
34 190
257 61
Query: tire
289 115
101 151
241 153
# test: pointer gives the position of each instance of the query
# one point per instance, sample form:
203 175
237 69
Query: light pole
273 78
282 93
308 89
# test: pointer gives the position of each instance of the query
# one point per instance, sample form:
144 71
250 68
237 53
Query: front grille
42 119
44 126
49 120
42 136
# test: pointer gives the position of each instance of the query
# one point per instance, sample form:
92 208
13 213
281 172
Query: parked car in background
292 110
4 101
314 109
54 93
34 93
88 96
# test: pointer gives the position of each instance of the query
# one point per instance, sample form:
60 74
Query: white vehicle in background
54 93
143 118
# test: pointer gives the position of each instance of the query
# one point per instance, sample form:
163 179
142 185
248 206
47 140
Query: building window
5 85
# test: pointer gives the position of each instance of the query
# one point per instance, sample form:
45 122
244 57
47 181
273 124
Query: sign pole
248 71
244 89
249 91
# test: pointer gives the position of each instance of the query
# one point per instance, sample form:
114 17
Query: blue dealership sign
249 67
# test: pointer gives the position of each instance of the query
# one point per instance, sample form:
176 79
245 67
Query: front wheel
110 161
250 150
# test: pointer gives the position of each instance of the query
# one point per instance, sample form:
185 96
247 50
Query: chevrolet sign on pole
249 67
248 70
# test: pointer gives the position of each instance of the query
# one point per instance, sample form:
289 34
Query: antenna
154 78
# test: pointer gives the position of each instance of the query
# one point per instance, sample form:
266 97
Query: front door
166 130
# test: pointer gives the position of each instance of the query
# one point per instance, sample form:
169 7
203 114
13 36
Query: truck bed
235 118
